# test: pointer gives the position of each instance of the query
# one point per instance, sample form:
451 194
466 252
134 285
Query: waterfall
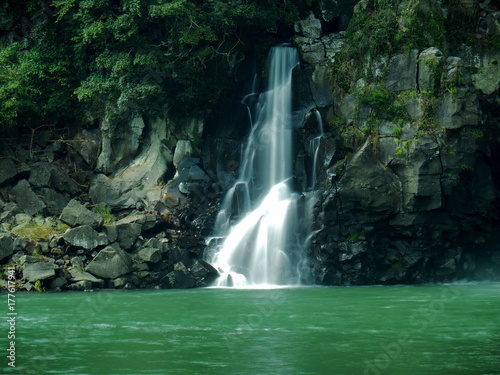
259 219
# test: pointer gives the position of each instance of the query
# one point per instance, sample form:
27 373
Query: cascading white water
260 248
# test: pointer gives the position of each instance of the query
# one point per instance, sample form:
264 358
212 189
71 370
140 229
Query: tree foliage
140 56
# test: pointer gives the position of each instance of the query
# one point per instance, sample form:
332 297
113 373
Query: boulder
26 198
38 271
203 273
150 254
58 283
8 171
87 145
309 27
79 275
110 263
49 175
75 214
125 234
85 237
6 245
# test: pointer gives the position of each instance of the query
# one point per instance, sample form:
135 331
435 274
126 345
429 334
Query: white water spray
263 247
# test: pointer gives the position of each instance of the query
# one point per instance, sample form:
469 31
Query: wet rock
110 263
85 237
203 273
75 214
177 279
8 171
83 285
58 283
26 198
38 271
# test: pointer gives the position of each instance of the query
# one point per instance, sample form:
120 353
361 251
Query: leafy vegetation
106 212
136 56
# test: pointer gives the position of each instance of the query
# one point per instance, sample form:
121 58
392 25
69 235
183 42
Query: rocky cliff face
409 176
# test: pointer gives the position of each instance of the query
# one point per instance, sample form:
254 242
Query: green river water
441 329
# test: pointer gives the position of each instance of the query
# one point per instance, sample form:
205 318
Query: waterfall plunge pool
435 330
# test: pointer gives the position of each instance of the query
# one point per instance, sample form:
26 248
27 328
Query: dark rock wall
409 163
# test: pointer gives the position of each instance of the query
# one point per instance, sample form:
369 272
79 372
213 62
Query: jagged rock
79 275
148 222
39 271
120 144
203 273
49 175
309 27
6 245
85 237
26 198
124 233
128 188
87 145
8 171
149 254
110 263
75 214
